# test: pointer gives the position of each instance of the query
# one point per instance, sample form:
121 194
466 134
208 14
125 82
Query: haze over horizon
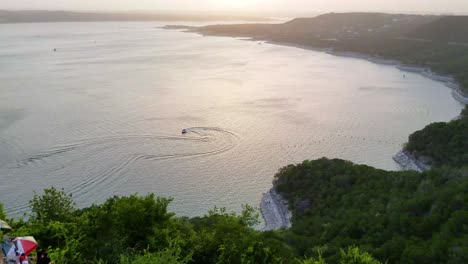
259 7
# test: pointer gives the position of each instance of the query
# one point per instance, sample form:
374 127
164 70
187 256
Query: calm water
103 114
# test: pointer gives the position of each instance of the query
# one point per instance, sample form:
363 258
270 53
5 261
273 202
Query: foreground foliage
340 212
139 229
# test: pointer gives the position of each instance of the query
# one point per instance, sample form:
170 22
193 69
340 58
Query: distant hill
66 16
352 25
444 29
333 25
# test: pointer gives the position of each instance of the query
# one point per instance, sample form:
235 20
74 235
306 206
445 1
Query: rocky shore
448 81
275 211
409 162
457 94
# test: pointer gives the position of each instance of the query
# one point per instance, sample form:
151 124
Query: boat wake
92 165
211 140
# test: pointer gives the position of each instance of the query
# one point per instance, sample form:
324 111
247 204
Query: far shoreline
449 81
426 72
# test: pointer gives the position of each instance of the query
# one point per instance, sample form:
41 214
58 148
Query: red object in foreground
26 244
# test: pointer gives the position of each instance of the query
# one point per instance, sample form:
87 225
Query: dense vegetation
442 144
338 209
399 217
442 30
139 229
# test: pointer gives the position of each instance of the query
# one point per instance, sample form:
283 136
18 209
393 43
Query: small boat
184 131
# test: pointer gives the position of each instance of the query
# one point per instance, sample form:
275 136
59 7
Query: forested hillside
446 29
399 217
340 212
139 229
442 144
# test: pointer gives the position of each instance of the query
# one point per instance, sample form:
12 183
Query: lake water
103 115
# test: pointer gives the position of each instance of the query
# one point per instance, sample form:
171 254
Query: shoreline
405 160
408 162
275 212
456 93
447 80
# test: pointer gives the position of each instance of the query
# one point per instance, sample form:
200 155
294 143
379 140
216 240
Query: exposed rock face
275 211
408 162
457 94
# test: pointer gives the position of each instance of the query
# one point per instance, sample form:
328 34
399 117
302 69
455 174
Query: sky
251 6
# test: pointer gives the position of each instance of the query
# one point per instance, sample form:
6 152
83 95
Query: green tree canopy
2 212
52 205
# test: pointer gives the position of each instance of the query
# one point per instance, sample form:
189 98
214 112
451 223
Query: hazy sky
437 6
